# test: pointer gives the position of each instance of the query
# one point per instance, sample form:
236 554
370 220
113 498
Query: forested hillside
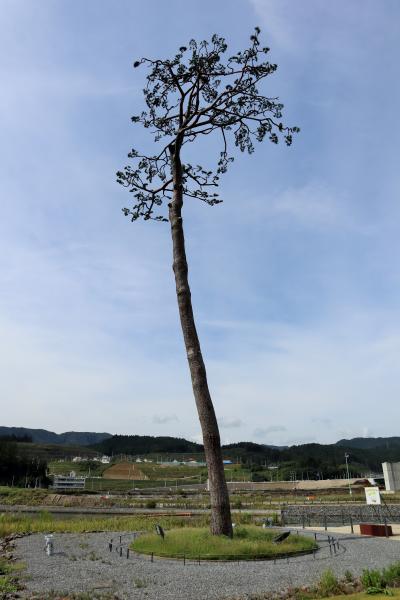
42 436
365 443
322 460
146 444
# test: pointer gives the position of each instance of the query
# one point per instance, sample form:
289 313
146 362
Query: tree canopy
194 94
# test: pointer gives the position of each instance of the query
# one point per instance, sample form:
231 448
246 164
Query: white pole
348 474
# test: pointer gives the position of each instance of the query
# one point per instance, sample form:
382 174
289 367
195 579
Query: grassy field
64 467
13 496
247 543
46 523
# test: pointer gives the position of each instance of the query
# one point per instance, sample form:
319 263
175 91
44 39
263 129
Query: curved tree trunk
221 522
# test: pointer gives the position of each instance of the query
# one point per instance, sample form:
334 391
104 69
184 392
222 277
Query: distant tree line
20 470
27 439
146 444
311 460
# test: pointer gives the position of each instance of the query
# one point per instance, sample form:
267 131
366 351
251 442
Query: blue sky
295 277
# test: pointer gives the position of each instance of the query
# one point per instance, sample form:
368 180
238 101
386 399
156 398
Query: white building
65 483
391 473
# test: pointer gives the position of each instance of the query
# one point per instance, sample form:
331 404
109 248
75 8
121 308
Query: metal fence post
386 527
325 523
351 524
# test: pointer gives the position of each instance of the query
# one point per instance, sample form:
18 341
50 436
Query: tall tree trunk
221 522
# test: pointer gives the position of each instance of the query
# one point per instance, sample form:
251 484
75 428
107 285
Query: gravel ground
83 563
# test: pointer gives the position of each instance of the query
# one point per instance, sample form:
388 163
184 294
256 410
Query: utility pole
348 474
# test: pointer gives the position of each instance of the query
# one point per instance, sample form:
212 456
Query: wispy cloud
230 423
163 419
261 432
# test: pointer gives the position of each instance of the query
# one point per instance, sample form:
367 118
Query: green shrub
328 584
377 590
348 575
391 574
151 504
373 578
6 585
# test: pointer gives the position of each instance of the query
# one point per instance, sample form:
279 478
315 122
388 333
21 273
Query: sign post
372 495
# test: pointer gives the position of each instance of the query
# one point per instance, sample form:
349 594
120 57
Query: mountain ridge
43 436
364 443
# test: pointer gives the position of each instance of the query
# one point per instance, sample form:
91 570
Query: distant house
105 460
77 459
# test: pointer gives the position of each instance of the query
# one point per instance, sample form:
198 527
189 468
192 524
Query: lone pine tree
197 93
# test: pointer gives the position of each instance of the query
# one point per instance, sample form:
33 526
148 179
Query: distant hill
42 436
365 443
316 459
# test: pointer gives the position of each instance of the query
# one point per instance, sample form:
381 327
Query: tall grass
45 523
247 542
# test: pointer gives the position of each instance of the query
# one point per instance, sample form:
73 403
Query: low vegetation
373 582
247 543
45 522
8 577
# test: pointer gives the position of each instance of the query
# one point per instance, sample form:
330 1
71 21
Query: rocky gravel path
84 563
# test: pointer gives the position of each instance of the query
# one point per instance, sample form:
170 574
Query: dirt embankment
124 470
